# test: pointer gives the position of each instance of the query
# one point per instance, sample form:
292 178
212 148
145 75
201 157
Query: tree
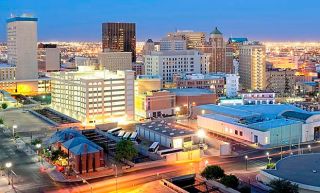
4 105
212 172
125 150
283 186
230 181
1 121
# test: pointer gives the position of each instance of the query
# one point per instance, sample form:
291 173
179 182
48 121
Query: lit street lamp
309 147
201 134
38 146
8 166
14 127
269 159
246 158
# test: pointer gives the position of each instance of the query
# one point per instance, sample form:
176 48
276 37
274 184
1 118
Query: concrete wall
229 130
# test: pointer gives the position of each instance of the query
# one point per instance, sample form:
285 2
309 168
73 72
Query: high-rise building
148 47
22 46
193 39
114 61
221 56
252 66
281 81
168 63
167 44
119 37
94 97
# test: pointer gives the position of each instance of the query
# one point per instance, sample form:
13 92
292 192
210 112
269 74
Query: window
236 132
241 134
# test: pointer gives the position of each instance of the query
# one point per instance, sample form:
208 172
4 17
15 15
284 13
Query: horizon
272 21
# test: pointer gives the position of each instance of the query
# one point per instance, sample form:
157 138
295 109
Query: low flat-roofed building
189 97
267 125
167 134
302 170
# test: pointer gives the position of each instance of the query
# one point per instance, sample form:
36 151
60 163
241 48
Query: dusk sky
276 20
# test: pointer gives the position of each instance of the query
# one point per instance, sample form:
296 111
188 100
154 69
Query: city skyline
265 21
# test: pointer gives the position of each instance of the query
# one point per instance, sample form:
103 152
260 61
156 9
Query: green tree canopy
1 121
212 172
283 186
125 150
230 181
4 105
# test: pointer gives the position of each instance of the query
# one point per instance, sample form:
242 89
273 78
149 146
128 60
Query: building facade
168 63
259 97
94 97
281 81
119 37
22 46
193 39
252 66
114 61
49 57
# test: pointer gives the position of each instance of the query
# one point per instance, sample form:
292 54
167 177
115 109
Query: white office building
93 97
7 72
22 46
172 44
168 63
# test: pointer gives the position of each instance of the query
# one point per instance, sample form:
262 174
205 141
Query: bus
154 147
126 135
114 130
133 136
121 133
169 151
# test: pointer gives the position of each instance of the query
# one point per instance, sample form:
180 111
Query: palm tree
283 186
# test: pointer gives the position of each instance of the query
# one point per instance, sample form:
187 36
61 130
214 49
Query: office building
219 83
87 61
138 69
281 81
252 66
114 61
193 39
148 47
168 63
220 55
7 72
94 97
155 103
119 37
168 44
22 46
266 125
49 57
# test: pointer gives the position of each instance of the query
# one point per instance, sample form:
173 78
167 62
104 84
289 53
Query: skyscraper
119 37
22 46
252 66
221 57
193 39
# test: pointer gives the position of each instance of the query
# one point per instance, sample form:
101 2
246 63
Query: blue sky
296 20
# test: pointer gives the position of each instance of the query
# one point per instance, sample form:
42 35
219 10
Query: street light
309 147
85 181
201 134
269 159
14 127
8 166
38 146
246 158
116 175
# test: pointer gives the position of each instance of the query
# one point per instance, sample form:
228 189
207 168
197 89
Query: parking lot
27 124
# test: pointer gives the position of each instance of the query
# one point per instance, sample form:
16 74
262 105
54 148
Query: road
29 178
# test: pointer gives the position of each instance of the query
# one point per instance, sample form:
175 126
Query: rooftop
190 91
290 168
3 65
216 31
166 128
21 18
148 77
237 40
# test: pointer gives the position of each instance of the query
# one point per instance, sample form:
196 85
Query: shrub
230 181
212 172
283 186
271 166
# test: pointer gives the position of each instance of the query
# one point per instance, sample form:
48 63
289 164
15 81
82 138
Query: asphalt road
29 179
